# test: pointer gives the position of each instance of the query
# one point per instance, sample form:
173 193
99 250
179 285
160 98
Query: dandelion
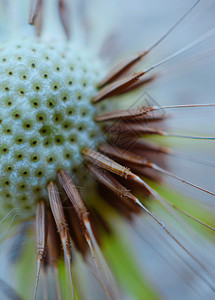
85 151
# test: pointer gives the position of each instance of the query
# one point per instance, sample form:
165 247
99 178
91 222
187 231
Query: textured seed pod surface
46 117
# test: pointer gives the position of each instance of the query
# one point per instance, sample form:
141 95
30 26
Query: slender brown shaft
41 237
60 220
64 16
34 11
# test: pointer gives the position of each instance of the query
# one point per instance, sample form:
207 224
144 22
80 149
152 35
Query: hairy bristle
141 161
82 213
53 249
124 114
53 242
60 220
127 64
106 163
76 230
73 194
41 237
134 129
122 68
126 199
128 156
118 87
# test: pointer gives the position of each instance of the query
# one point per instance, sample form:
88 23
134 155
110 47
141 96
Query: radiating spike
139 170
41 236
64 16
192 158
122 68
139 84
53 242
45 285
89 241
137 129
145 119
151 240
174 25
119 153
141 145
53 245
169 134
8 214
191 45
60 220
123 155
111 183
34 11
126 65
38 22
117 87
73 194
161 224
173 238
124 114
189 215
103 262
120 86
183 106
136 159
82 213
156 167
121 205
116 187
56 278
75 230
137 179
106 163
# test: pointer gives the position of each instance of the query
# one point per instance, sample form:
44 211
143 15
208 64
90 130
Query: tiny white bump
46 117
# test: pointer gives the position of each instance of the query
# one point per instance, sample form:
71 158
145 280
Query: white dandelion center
46 116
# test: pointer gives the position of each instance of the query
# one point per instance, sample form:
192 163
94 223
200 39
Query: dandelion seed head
46 116
70 122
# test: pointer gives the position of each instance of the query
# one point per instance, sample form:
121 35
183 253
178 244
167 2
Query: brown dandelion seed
53 249
124 114
82 213
64 13
60 220
127 64
129 157
41 237
108 164
118 87
35 6
35 15
117 168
